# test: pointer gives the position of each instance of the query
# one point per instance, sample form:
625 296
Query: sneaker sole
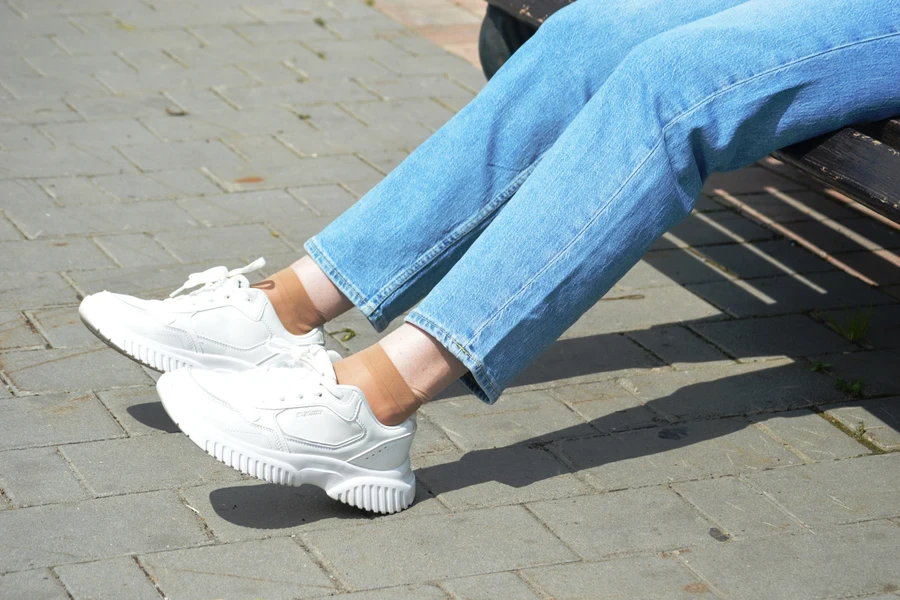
383 492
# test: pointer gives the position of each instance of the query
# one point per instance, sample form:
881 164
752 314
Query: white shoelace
302 358
213 280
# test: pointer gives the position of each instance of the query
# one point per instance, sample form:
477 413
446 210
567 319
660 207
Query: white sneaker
291 423
225 324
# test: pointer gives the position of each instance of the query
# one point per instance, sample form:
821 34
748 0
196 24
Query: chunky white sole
383 492
153 354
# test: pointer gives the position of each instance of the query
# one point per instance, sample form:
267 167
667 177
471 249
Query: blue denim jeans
595 138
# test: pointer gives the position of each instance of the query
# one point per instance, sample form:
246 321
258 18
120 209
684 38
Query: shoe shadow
152 414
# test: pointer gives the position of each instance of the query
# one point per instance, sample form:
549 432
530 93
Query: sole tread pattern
374 498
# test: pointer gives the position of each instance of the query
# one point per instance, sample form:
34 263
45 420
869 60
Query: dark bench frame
861 161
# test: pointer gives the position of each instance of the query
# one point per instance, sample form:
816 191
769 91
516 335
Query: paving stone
34 585
648 520
102 218
329 68
206 244
468 547
138 410
725 390
54 419
749 180
671 454
488 587
100 134
881 266
70 369
849 235
840 562
36 111
58 162
800 206
132 106
107 580
764 259
789 294
607 406
738 511
876 369
665 268
762 339
296 93
30 88
263 151
7 231
515 418
135 250
31 289
650 577
17 332
251 510
23 137
412 592
157 156
329 199
162 184
713 228
878 419
413 87
496 477
276 568
38 476
269 33
226 124
812 436
626 310
673 267
305 171
172 79
429 439
679 347
107 466
586 359
75 191
835 492
93 529
54 255
273 206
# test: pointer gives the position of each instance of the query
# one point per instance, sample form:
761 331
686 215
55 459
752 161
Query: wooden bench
861 161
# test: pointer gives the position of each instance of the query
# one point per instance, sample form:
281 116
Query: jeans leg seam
433 253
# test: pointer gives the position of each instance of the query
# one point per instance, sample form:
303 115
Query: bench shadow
770 277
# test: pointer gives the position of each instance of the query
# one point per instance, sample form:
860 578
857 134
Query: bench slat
854 163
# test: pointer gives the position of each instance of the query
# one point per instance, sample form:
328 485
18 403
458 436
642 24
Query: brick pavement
691 436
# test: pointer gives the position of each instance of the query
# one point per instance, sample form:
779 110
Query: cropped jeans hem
477 380
343 283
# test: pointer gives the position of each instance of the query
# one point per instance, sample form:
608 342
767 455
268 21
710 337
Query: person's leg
388 250
709 96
